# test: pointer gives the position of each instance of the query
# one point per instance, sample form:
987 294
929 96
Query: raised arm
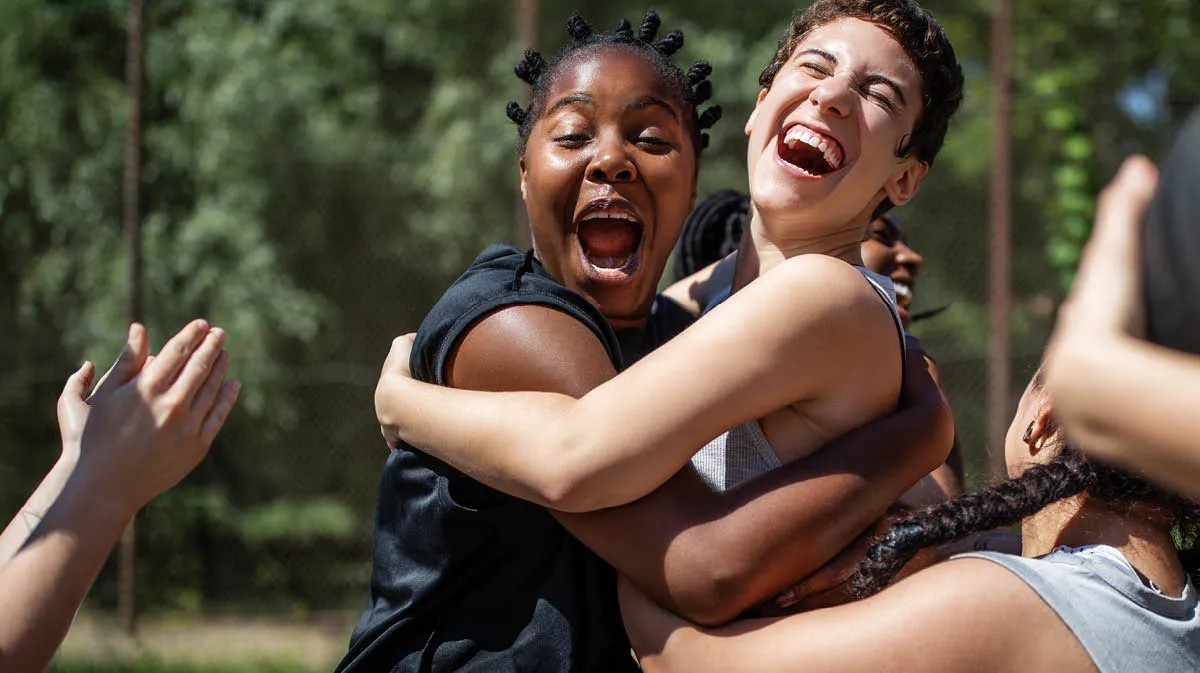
139 439
778 341
1125 399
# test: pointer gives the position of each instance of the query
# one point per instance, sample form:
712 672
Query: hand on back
149 421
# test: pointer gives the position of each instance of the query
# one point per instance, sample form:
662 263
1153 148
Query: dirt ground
313 643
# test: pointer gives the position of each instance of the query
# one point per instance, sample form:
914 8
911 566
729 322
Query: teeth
903 292
607 215
799 133
609 262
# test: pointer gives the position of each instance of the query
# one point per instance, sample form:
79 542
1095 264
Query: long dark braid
1005 504
691 89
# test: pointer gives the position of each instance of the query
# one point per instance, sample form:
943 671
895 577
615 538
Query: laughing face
885 251
608 176
824 136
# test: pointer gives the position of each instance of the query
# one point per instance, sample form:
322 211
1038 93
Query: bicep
529 348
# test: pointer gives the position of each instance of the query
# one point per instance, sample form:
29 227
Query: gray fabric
1125 626
744 452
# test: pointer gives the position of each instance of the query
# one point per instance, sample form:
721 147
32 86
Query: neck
1079 521
757 253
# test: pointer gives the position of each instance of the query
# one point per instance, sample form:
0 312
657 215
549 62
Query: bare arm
1120 397
137 442
628 436
965 615
696 291
771 530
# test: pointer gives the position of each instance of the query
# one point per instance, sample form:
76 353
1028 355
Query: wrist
110 496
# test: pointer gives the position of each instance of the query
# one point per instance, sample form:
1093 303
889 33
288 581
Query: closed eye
572 139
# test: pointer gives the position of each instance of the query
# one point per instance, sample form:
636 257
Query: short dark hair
921 37
690 89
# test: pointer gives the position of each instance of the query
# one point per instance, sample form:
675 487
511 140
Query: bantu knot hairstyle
691 89
1068 474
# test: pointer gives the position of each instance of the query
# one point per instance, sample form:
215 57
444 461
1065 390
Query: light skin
822 359
1116 390
138 434
961 615
773 530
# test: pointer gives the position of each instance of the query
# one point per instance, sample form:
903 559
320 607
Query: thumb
77 384
129 363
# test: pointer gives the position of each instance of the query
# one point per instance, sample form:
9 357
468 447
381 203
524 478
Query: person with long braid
1102 583
469 578
1124 353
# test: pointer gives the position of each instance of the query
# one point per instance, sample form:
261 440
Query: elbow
710 591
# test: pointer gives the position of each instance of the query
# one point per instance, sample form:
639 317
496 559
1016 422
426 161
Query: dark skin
707 556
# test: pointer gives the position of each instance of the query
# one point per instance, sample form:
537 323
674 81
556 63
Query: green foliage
317 172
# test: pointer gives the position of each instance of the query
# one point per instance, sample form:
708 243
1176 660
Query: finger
200 365
399 354
207 394
131 361
1119 212
161 373
226 398
77 384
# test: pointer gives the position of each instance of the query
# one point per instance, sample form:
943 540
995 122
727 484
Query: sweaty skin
777 528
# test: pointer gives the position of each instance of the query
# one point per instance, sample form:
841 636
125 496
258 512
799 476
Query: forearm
1132 403
34 509
44 584
785 525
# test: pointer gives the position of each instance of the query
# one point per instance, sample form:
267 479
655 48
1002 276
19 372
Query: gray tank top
744 452
1124 625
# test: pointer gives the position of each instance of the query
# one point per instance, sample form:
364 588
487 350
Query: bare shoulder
823 293
964 612
529 347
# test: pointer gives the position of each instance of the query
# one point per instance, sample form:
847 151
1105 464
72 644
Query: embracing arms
770 531
780 340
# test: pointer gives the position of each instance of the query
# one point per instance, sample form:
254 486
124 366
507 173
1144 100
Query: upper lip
823 132
608 206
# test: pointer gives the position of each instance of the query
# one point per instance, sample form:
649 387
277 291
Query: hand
1105 300
74 403
395 372
145 432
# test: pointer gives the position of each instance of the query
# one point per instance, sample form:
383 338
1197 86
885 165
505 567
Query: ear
521 166
1040 431
903 186
754 113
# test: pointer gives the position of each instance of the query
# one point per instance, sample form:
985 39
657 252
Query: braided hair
690 89
712 231
1068 474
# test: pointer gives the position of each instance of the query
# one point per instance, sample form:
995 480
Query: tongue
608 238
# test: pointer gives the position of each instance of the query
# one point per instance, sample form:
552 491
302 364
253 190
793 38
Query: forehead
863 46
610 74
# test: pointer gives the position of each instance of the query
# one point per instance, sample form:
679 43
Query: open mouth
610 240
904 292
814 154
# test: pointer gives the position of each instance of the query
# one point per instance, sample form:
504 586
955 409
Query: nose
909 258
611 162
833 96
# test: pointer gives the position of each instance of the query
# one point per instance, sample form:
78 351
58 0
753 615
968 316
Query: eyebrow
650 101
571 100
868 81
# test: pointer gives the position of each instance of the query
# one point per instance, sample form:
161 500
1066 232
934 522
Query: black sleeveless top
466 578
